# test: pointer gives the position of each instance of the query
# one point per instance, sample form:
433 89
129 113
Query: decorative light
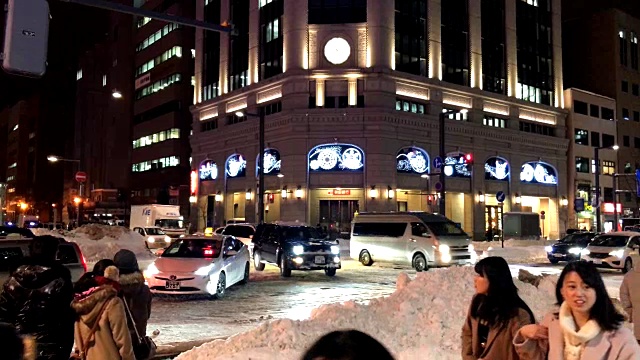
480 197
218 196
518 198
390 193
280 175
564 201
373 192
284 192
193 199
247 195
299 192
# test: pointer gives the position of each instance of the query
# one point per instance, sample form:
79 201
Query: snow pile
419 318
103 242
515 250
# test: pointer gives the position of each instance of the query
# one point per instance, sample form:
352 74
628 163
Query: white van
613 250
419 239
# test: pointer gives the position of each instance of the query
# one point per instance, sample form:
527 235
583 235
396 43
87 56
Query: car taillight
208 252
84 261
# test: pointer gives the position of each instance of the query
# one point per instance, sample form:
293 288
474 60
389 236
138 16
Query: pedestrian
136 296
630 296
347 345
101 331
35 300
496 313
586 326
16 346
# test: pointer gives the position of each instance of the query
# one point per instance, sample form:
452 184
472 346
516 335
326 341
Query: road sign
578 204
438 186
81 176
437 162
542 215
500 196
638 182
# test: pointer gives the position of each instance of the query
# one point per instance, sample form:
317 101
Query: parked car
294 247
613 250
242 232
199 265
569 247
154 237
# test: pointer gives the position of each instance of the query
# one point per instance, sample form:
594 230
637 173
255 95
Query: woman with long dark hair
587 326
495 315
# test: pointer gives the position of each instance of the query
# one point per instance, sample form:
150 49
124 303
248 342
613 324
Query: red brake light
208 252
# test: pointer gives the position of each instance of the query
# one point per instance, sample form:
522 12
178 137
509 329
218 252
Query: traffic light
468 159
26 37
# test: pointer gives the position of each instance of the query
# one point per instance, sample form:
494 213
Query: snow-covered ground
103 242
515 251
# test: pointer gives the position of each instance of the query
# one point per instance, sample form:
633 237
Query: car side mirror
231 253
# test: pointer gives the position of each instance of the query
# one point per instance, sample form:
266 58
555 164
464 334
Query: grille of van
459 248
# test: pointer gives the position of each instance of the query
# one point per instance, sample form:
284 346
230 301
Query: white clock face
337 50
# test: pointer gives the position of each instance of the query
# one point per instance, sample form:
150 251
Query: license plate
597 261
558 255
319 260
172 285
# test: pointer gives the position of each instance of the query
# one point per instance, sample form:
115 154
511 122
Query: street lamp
116 94
441 119
596 159
55 158
260 194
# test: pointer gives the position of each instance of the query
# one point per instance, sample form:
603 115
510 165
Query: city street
189 320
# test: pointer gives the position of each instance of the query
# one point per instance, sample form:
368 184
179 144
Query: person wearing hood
35 300
101 331
134 292
630 296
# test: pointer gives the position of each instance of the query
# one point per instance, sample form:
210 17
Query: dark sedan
569 247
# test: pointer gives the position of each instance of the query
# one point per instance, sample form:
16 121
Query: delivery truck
165 217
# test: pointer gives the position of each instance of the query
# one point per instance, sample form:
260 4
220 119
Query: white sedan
199 265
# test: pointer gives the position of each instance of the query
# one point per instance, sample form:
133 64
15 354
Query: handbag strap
85 344
135 328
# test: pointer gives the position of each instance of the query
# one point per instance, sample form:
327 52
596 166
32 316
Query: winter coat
607 345
138 298
630 295
111 340
499 341
35 299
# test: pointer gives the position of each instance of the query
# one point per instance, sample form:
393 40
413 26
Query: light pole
260 194
54 159
596 159
443 154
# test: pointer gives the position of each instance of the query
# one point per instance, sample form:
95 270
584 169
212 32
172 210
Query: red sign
340 192
194 182
607 208
81 176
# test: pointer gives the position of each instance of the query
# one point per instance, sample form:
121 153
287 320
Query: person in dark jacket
16 346
36 297
134 291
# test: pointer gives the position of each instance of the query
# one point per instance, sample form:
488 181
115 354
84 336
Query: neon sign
208 170
538 173
236 166
412 160
336 157
496 168
457 166
270 162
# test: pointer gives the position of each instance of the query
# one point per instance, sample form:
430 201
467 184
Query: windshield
610 241
194 249
170 223
154 231
238 231
568 239
301 233
445 229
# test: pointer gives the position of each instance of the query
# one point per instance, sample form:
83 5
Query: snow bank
101 241
526 251
418 319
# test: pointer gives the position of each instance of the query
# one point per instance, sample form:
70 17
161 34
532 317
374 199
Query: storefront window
412 160
496 168
336 157
538 173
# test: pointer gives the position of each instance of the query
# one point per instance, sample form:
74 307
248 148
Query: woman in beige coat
587 326
101 330
495 315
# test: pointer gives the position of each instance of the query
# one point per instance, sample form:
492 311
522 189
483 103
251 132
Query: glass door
336 216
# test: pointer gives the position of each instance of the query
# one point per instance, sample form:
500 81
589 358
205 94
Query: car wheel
285 271
256 261
245 279
553 261
628 265
221 287
420 263
365 258
330 272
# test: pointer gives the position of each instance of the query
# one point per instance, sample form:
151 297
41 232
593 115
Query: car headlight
575 251
585 252
204 271
167 239
182 235
298 250
335 250
443 248
548 249
151 239
617 253
471 248
151 270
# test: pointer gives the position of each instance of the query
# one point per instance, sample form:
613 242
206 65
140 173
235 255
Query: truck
165 217
28 221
